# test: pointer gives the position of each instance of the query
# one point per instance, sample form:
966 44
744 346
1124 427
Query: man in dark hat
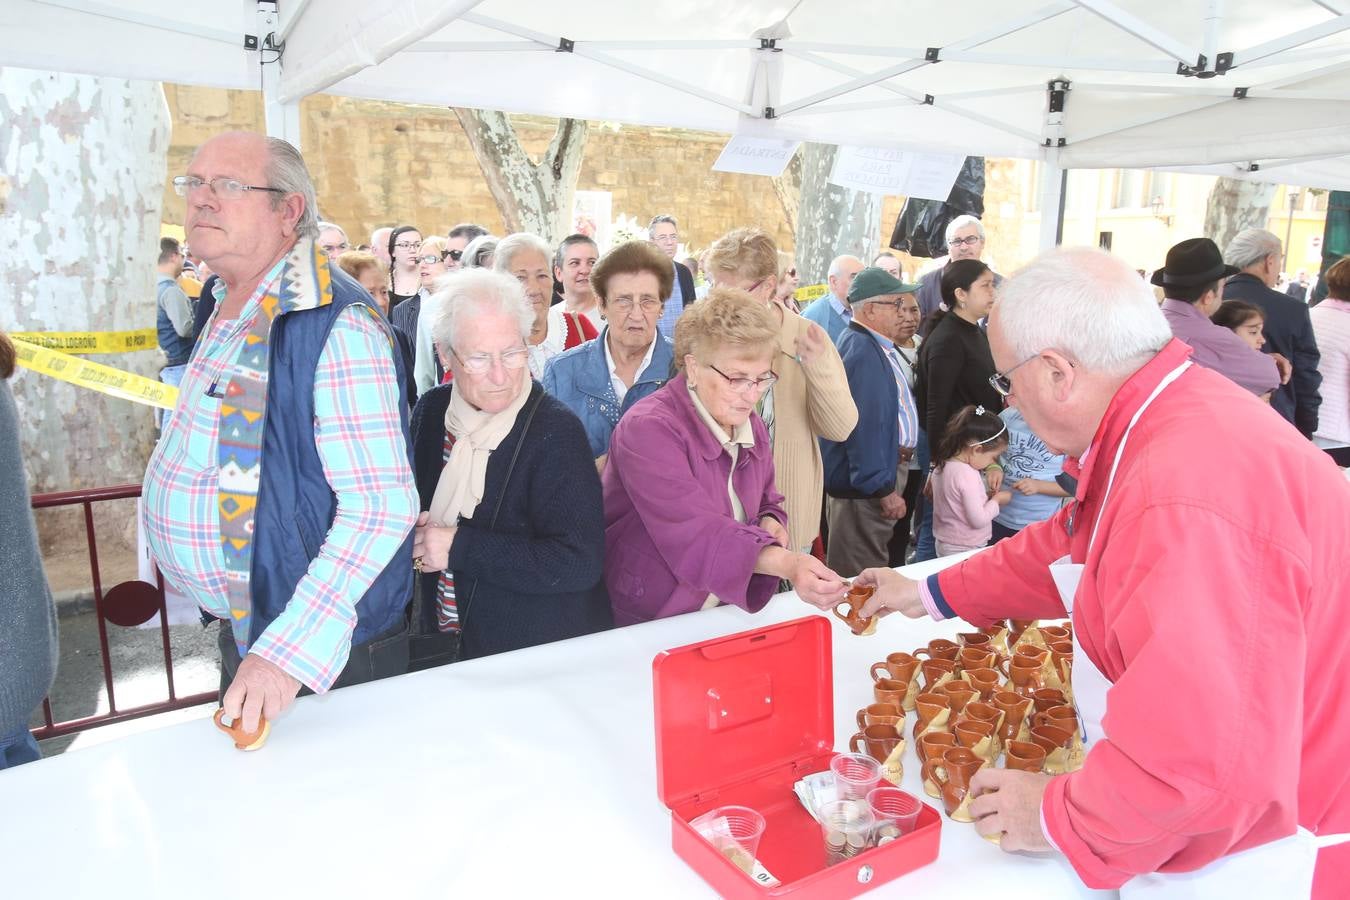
1192 283
865 474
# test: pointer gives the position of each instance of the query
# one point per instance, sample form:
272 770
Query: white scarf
460 487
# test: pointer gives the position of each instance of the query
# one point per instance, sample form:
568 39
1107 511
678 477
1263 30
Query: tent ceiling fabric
844 72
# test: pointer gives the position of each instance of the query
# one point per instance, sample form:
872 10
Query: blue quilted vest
296 507
176 348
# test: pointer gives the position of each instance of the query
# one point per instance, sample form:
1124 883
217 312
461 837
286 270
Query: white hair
465 294
1249 246
512 244
837 265
960 222
1085 303
285 170
326 226
483 245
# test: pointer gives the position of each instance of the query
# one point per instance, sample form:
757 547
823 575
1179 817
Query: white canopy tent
1246 88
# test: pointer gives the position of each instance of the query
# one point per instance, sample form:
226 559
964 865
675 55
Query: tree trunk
1234 205
831 221
788 188
79 238
533 197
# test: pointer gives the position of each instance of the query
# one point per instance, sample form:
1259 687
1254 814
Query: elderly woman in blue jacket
604 377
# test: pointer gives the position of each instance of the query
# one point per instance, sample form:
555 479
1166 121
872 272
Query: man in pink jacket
1203 563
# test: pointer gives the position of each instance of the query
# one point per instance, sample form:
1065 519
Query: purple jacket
670 537
1220 349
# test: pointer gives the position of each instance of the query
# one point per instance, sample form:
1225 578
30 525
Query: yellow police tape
96 377
810 292
82 342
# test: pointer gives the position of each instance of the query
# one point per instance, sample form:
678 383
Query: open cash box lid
742 706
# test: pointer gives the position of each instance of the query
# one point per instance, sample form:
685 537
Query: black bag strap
506 483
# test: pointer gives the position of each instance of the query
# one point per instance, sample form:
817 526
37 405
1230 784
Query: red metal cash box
739 720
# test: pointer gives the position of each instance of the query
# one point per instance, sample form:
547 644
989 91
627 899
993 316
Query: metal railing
52 728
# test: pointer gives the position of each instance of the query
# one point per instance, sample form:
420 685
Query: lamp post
1289 224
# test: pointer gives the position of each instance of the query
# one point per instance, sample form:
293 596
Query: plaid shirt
359 437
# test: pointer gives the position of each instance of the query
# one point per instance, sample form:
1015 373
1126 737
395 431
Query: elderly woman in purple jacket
692 518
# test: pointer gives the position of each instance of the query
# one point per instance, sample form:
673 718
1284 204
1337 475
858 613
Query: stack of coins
835 842
857 843
886 834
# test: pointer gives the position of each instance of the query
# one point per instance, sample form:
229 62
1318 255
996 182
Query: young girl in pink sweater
963 506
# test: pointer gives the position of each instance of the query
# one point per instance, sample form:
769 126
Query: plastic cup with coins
854 775
894 812
735 831
847 827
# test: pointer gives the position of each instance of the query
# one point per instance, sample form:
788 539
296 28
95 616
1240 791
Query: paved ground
138 672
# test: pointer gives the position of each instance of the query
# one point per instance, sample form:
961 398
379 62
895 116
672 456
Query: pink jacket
963 513
1215 601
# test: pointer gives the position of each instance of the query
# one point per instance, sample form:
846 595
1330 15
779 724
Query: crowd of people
425 449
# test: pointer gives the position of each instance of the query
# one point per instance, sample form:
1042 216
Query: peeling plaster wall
82 168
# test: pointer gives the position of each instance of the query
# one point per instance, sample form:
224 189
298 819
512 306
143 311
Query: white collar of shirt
621 389
840 307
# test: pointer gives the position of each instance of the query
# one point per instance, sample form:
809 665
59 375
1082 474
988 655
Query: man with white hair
332 240
832 311
965 240
1288 327
664 232
379 244
1203 564
281 497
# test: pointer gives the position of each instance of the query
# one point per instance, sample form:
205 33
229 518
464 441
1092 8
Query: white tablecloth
527 773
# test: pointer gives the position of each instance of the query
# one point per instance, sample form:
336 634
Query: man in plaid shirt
280 497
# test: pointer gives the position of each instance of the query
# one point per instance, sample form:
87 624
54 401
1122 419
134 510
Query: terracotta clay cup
1027 675
1014 708
934 670
980 711
976 639
900 666
880 714
939 648
1048 697
934 712
959 693
985 681
890 691
1031 651
879 741
1050 737
976 658
952 775
1060 716
1024 756
1016 627
243 740
934 744
853 601
1061 655
976 736
1054 633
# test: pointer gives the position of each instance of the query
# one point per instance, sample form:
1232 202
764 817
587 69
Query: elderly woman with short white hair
528 259
511 538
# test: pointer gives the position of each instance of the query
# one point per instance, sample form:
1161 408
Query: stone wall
377 163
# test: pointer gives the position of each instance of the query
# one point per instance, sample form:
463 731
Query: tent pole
1054 187
282 119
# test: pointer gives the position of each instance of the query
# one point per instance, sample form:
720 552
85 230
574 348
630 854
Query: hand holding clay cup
243 740
858 623
952 775
893 593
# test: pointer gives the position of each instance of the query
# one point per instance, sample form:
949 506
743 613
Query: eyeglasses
898 304
430 259
334 249
1000 382
224 188
481 363
746 385
408 245
968 241
452 254
625 305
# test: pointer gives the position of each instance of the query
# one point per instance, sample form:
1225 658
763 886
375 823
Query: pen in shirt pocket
216 391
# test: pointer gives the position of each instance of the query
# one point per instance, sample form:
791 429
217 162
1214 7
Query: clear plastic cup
894 812
854 775
735 832
847 827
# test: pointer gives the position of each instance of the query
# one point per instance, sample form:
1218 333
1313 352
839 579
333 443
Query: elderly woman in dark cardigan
511 540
